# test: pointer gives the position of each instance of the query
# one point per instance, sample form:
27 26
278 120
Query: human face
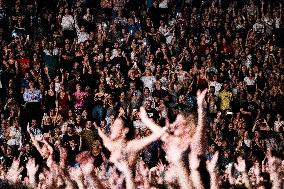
132 86
117 130
45 152
179 125
249 97
147 72
96 148
31 85
88 124
33 123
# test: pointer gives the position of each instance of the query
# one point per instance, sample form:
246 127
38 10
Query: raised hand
31 167
143 114
144 171
212 165
273 165
75 174
14 171
201 96
240 165
150 123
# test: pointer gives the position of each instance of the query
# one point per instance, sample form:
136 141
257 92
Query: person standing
32 97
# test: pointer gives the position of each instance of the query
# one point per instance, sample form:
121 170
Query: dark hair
128 124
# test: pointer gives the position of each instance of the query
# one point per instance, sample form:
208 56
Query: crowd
141 94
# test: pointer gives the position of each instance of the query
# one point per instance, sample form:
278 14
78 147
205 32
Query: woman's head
148 72
184 124
121 129
118 129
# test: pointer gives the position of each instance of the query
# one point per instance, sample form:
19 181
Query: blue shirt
32 95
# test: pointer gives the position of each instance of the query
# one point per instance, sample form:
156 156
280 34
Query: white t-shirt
164 4
258 28
82 37
249 81
163 30
217 87
68 22
148 81
138 124
15 137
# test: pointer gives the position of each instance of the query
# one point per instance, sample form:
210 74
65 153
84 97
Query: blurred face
180 126
96 148
146 92
132 86
27 147
70 130
33 123
158 85
111 83
117 129
147 72
147 104
31 84
45 152
72 143
78 87
249 97
88 124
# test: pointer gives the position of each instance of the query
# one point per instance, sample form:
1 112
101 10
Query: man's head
33 123
148 104
249 97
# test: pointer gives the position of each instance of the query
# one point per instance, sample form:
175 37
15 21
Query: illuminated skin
123 152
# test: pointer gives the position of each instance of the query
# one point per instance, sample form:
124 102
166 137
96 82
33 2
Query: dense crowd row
208 76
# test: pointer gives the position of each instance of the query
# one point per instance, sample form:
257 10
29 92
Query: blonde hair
191 122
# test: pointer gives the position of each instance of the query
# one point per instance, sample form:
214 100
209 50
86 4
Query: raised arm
35 143
157 132
108 143
213 171
147 121
198 141
274 164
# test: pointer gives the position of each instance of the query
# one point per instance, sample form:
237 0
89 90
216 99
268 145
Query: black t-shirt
72 153
250 107
152 113
230 135
98 160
